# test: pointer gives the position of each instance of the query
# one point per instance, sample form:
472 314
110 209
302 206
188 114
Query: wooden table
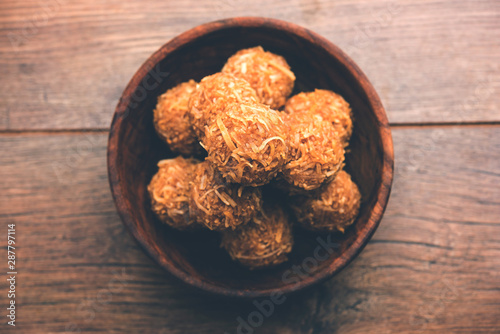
433 266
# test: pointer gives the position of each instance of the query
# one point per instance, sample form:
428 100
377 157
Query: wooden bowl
134 150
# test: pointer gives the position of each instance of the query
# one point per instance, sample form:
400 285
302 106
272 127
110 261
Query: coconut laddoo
218 205
247 143
234 116
269 74
169 192
333 208
172 122
316 153
211 96
263 242
329 105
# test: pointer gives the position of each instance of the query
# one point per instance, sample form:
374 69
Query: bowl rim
382 193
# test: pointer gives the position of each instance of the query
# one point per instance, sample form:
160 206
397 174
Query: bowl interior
196 257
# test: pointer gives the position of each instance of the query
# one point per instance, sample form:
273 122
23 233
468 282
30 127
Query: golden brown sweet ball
268 73
329 105
264 242
212 94
219 205
333 208
169 192
246 143
316 152
172 122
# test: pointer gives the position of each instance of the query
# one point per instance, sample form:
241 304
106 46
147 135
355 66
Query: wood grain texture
69 61
432 267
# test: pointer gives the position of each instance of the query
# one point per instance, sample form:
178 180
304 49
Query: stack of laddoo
254 134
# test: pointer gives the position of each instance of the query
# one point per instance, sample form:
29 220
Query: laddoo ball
327 104
316 153
247 143
334 208
212 94
265 241
169 191
219 205
269 74
171 119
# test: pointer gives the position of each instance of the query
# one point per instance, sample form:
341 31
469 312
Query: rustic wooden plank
65 63
432 266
